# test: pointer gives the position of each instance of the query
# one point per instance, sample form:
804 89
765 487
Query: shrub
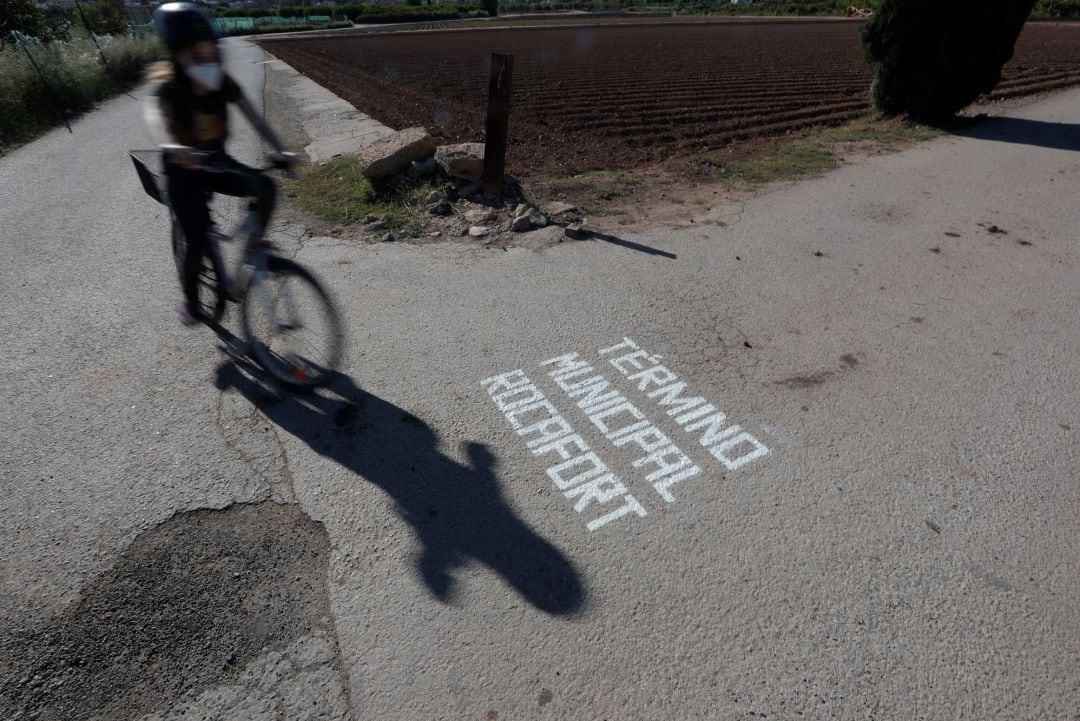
21 15
1058 8
105 18
294 11
58 22
403 13
935 57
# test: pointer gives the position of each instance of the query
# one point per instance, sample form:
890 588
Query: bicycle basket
152 181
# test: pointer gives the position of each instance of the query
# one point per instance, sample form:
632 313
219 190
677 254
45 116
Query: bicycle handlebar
216 167
276 164
152 177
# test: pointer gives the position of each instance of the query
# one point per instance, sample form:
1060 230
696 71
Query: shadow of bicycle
457 511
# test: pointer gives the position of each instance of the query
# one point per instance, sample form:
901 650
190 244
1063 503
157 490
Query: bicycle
269 288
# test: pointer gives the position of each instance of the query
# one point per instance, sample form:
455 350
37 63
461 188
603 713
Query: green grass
607 194
611 184
789 161
338 192
620 177
815 152
75 81
877 129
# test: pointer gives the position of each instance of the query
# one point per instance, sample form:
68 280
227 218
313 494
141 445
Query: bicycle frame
278 307
281 315
257 256
254 256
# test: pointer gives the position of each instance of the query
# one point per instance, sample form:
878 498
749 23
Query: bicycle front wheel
292 325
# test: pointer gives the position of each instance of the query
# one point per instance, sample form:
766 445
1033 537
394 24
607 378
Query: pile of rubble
465 209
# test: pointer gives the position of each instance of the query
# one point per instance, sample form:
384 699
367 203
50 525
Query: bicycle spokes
289 319
293 327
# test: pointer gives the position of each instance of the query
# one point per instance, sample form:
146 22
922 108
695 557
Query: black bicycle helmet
181 25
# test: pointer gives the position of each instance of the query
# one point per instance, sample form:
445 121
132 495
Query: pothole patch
213 614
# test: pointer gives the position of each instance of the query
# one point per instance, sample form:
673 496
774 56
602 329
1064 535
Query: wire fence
228 26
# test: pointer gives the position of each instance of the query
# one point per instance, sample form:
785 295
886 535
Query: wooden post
498 121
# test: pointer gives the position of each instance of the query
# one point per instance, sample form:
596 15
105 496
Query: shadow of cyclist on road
456 511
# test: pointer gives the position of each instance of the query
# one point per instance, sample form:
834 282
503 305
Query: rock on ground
558 208
538 219
478 216
441 207
465 161
576 232
394 154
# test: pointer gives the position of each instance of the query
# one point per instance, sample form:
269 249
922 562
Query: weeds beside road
338 193
75 80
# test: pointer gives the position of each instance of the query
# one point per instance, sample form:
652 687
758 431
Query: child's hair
176 85
161 71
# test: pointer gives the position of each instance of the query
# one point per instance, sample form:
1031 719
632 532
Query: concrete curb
332 125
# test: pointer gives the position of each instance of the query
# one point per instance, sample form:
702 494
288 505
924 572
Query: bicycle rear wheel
210 290
292 325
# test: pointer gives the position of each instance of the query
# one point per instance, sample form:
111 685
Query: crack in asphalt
248 460
286 468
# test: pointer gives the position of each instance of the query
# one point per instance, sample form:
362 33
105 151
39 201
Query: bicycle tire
291 369
211 272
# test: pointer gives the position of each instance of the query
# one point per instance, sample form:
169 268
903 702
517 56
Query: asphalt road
891 532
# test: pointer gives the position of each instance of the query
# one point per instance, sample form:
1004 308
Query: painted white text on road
622 422
578 472
730 445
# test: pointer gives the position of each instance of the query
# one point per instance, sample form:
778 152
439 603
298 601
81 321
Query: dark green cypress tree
935 57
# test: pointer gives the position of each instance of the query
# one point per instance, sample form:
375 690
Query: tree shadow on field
456 510
1021 131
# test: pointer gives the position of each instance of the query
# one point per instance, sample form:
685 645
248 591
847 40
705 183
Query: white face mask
209 75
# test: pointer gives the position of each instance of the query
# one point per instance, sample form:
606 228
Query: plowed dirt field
623 96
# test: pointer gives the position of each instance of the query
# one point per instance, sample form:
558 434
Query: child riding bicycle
187 117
